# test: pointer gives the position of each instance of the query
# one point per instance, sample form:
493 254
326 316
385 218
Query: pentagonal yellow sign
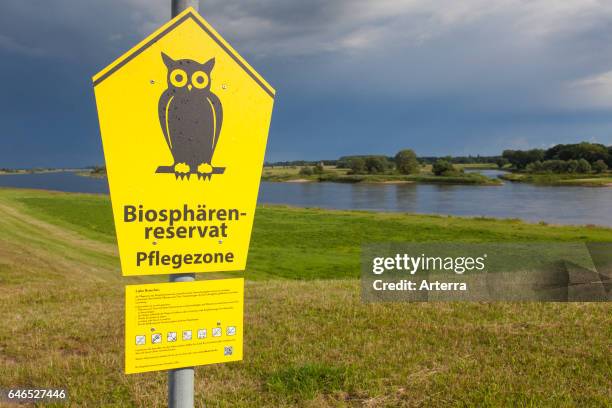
184 123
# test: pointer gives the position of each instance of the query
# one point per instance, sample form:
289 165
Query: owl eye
178 77
199 79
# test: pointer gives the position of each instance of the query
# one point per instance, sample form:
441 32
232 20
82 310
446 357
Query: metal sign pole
178 6
181 381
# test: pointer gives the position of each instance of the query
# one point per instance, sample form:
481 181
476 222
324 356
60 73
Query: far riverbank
534 203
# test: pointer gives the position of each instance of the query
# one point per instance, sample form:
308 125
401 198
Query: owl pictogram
191 117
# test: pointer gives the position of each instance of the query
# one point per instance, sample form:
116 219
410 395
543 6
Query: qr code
228 350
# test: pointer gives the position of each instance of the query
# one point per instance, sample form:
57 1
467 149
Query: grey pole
178 6
181 381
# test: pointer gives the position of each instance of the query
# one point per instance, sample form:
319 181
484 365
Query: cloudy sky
352 76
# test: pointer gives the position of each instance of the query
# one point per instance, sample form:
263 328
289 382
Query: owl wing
163 107
218 113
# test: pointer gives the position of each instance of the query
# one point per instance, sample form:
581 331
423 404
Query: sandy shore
299 181
393 182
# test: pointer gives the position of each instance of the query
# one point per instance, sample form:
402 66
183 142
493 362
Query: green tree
375 165
306 171
572 166
443 168
521 158
406 162
535 167
98 170
591 152
357 165
556 166
583 166
599 166
502 162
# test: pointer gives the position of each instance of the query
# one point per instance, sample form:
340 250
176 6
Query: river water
560 205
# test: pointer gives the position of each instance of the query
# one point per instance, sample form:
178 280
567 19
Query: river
552 204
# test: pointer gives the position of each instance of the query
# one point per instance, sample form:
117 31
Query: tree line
563 158
404 162
582 157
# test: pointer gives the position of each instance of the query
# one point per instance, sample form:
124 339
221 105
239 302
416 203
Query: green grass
586 180
89 214
466 178
336 175
296 243
306 381
309 340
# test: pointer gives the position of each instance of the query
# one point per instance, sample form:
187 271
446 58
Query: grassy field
309 341
587 180
339 175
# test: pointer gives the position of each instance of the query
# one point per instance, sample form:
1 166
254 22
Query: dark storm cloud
352 76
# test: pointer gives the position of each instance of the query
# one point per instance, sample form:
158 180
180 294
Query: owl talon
204 169
182 170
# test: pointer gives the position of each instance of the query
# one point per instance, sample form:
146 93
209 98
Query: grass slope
297 243
308 343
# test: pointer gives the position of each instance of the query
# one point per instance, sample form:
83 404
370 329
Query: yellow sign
184 123
183 324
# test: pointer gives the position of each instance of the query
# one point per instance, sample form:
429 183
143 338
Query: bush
344 162
306 171
357 165
599 166
406 162
583 166
521 158
591 152
318 168
375 165
98 170
561 158
502 162
571 166
366 164
443 168
557 166
535 167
